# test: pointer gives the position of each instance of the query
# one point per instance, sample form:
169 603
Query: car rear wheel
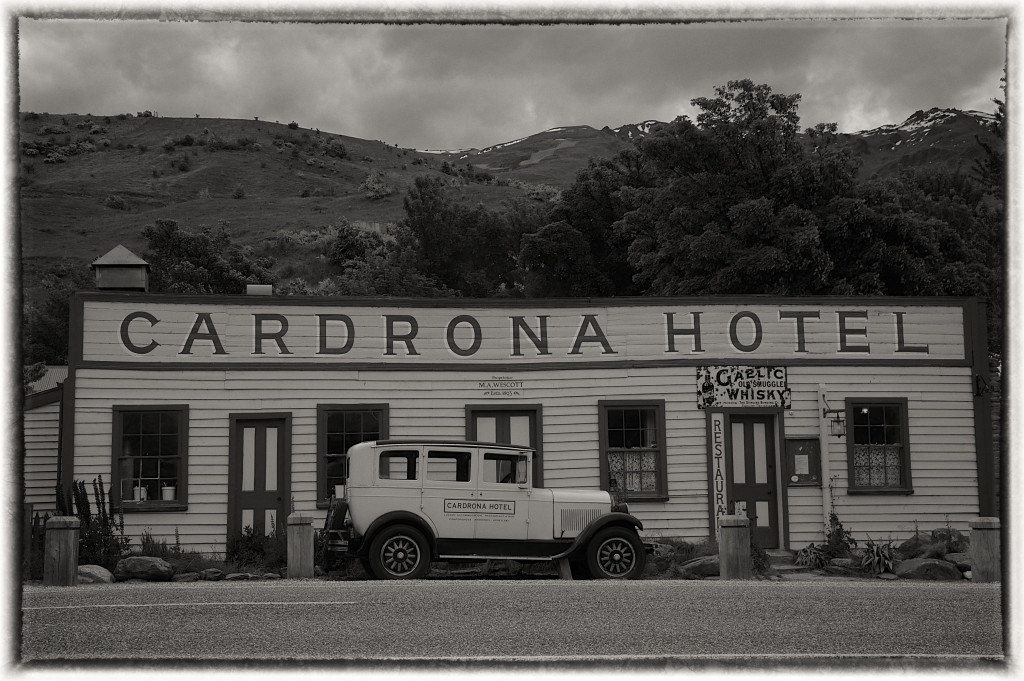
616 553
399 552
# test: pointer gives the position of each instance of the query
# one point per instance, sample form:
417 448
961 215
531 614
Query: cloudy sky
454 86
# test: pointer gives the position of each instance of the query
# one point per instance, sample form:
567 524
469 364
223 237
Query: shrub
256 552
336 149
376 187
812 556
838 539
101 537
168 145
293 125
878 558
116 202
759 561
158 548
239 192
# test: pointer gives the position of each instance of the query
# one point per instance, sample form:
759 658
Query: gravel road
484 620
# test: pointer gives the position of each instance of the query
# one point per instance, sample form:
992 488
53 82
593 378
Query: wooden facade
562 370
41 437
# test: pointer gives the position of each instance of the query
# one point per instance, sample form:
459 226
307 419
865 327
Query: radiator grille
575 519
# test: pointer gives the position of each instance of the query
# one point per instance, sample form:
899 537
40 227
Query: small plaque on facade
502 386
742 386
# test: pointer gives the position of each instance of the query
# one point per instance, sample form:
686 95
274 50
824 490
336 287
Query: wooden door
258 480
754 491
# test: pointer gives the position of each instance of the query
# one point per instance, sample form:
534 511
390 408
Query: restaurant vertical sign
719 497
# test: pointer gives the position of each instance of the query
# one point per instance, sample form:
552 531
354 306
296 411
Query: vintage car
406 503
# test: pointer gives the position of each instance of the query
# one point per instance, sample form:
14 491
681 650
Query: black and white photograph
500 339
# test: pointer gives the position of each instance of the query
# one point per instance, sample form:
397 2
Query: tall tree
584 216
739 200
201 261
45 324
469 250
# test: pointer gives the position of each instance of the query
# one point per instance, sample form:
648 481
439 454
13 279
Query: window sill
644 500
152 506
893 491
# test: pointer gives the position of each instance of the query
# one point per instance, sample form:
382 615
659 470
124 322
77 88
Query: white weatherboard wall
943 457
135 350
41 437
431 405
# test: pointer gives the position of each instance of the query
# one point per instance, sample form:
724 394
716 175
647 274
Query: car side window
448 466
505 468
398 464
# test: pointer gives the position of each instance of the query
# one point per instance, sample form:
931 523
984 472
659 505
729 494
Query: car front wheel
399 552
616 553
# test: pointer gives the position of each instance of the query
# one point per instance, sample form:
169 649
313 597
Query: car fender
396 518
614 518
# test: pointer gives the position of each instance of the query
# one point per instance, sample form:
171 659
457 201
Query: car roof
452 443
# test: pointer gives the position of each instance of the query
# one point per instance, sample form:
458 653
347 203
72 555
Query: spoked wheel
399 552
616 553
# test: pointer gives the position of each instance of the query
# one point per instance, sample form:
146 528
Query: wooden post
300 545
734 547
26 540
985 546
60 562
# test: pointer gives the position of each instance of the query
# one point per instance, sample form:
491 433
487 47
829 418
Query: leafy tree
558 262
30 374
923 233
45 324
379 267
472 251
738 201
352 244
201 261
589 208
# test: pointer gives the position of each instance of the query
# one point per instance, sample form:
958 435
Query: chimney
259 289
121 270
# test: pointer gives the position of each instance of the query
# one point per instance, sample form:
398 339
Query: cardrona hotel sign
126 330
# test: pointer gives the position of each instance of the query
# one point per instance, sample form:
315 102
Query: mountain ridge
89 183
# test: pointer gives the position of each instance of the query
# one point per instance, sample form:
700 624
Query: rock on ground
94 574
147 568
699 568
961 560
927 568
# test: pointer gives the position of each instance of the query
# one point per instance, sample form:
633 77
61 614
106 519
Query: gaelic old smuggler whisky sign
742 386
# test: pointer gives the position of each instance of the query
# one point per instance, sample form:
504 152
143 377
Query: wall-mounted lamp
837 424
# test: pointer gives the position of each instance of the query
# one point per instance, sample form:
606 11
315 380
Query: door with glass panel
752 461
508 427
258 485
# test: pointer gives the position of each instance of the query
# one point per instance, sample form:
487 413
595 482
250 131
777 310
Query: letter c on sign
127 342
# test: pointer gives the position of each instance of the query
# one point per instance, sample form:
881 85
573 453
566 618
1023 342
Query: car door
449 495
503 495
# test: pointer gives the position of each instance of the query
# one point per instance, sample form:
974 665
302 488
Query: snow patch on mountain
926 120
637 129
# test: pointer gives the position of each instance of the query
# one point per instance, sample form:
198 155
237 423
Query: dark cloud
448 86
